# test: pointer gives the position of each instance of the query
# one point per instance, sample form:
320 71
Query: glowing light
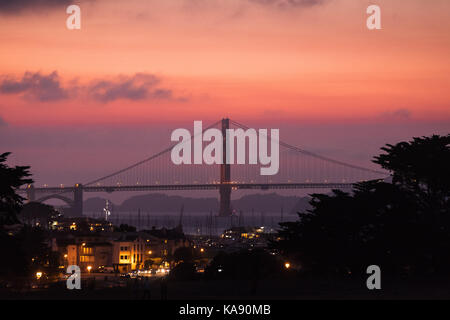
38 275
287 265
89 268
202 250
106 210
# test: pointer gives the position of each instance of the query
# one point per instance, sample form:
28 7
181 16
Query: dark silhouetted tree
402 226
38 212
183 271
184 254
245 265
125 228
11 179
421 166
24 249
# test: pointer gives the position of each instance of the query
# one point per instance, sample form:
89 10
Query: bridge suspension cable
192 175
317 156
145 160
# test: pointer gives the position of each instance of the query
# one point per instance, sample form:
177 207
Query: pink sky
314 62
146 63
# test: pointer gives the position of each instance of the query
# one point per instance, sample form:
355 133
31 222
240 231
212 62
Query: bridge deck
234 186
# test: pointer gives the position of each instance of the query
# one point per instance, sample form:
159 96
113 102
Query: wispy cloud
401 113
289 3
240 5
140 86
35 86
17 6
49 87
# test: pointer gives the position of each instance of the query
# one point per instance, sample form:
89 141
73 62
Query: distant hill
271 202
164 203
158 202
301 206
96 204
155 202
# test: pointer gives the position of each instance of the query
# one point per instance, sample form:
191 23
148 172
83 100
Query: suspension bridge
298 169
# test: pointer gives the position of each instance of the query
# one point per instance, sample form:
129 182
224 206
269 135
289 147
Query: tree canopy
38 212
11 179
422 166
25 248
403 226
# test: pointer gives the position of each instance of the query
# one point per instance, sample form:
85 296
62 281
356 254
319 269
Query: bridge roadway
212 186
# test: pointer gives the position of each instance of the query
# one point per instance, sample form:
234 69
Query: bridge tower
77 210
225 175
31 193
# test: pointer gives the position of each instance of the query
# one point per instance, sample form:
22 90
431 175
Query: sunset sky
138 69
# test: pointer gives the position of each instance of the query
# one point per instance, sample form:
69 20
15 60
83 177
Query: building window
86 250
86 259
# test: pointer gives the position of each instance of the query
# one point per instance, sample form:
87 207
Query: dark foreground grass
281 289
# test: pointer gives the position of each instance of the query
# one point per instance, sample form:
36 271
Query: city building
118 251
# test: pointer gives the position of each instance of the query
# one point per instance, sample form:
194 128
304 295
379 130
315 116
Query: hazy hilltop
271 202
158 202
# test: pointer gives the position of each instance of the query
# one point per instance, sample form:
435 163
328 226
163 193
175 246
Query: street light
38 275
287 265
89 269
